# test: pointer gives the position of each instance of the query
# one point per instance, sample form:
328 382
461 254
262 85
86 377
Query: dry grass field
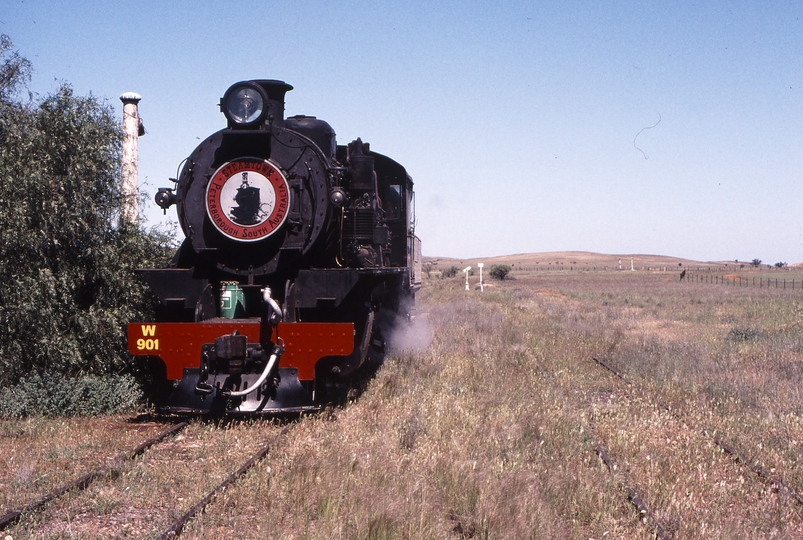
481 424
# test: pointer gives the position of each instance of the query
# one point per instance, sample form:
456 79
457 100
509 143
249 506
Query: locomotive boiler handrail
277 352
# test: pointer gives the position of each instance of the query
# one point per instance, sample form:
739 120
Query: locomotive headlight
244 104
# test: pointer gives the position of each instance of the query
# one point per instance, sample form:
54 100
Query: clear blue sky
522 123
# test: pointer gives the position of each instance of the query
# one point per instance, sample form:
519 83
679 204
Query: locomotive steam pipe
271 303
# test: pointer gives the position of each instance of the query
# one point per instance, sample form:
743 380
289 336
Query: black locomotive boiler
299 256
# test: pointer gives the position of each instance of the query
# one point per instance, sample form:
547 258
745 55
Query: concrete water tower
132 130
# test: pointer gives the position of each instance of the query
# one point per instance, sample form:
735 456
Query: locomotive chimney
132 129
276 91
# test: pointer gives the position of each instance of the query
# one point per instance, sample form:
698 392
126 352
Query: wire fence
735 280
730 275
708 269
714 275
587 268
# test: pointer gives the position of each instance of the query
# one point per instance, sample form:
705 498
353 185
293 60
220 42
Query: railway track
88 479
619 473
729 449
178 526
157 454
667 454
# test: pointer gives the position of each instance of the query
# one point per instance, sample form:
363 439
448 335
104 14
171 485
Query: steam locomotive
300 256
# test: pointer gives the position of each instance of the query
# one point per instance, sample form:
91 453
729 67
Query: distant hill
576 258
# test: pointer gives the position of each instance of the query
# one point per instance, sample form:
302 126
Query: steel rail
87 479
728 449
632 496
620 476
179 525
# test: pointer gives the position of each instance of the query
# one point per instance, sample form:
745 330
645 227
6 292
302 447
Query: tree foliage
67 285
15 71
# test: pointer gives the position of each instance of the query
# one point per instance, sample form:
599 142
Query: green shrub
450 272
427 268
500 271
743 334
53 395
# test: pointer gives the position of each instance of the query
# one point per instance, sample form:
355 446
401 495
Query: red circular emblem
248 199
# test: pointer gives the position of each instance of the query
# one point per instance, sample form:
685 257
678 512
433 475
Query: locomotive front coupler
278 350
232 354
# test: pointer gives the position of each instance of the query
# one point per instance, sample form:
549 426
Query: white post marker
466 270
480 265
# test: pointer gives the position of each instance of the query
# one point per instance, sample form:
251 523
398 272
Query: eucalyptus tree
67 283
